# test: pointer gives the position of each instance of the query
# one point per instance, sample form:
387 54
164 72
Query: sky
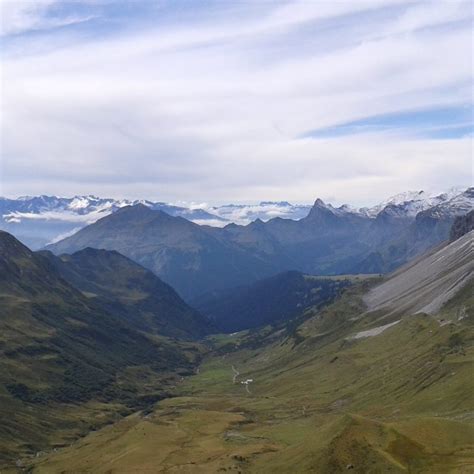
235 101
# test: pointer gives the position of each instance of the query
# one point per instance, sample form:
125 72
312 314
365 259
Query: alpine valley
322 340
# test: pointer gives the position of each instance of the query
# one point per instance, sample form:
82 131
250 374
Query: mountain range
197 259
191 258
41 220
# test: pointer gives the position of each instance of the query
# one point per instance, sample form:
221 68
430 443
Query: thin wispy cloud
23 16
237 102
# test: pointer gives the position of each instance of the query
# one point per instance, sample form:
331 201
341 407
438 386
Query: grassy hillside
66 364
128 290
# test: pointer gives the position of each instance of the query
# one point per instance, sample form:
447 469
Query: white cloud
58 216
19 16
215 110
64 235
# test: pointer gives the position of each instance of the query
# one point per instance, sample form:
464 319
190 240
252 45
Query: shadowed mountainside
270 301
63 356
126 289
189 257
462 225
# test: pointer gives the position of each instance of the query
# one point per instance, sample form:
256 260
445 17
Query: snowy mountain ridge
410 203
49 218
91 208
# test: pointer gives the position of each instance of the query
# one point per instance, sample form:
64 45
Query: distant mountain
410 203
191 258
401 238
269 301
40 220
328 241
126 289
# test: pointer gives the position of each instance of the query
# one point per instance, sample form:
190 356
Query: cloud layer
226 101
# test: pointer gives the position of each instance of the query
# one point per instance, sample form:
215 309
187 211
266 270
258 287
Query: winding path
235 375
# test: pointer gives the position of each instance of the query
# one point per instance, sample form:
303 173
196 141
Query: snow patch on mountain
456 205
410 203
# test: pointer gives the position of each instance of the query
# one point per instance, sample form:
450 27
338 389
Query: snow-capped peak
79 202
83 210
453 206
410 203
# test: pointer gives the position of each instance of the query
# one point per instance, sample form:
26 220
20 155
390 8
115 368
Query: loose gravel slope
426 284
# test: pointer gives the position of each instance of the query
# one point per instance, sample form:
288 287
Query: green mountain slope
62 355
126 289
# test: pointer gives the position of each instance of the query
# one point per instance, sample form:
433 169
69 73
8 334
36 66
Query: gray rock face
462 225
426 284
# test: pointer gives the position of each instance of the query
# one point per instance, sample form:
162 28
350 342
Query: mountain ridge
40 220
125 288
189 257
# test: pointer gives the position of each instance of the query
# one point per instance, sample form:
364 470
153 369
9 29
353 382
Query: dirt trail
236 373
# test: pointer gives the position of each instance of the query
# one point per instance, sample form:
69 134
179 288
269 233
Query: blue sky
235 101
432 123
